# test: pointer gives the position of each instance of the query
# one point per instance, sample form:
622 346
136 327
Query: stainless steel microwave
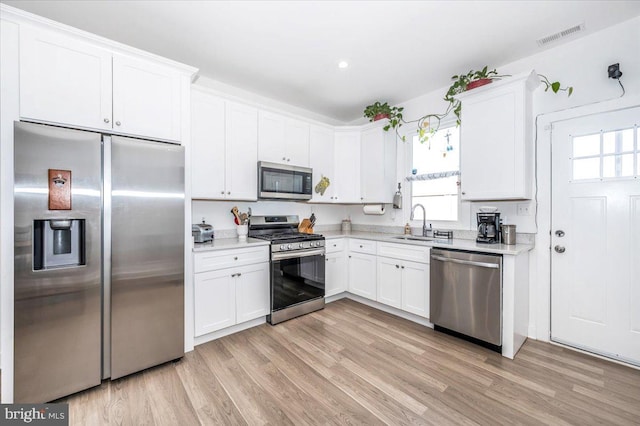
284 182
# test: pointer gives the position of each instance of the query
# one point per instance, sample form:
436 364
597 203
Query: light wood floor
351 364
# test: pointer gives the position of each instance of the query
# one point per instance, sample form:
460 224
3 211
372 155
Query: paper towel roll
373 209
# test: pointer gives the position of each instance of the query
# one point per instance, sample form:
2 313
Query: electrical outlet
524 209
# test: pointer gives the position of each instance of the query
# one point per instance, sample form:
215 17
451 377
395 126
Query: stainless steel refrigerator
99 258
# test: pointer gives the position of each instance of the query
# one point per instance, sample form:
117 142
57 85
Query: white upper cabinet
347 167
207 146
69 80
496 149
224 148
64 80
378 166
241 152
282 140
321 158
146 99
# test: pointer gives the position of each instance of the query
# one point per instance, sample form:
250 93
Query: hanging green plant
554 86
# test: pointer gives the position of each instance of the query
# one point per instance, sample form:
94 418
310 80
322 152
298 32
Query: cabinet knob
284 158
106 120
235 258
288 159
349 256
327 259
229 193
398 266
464 193
402 267
360 245
239 274
117 123
222 192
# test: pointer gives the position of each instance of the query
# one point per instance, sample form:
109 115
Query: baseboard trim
229 330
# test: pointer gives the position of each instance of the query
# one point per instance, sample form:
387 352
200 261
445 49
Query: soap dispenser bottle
397 198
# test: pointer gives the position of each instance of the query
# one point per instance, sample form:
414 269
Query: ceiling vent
560 35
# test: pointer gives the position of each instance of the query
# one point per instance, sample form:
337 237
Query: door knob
559 249
560 233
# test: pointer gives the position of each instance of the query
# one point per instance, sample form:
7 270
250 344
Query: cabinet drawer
404 252
362 246
228 258
334 245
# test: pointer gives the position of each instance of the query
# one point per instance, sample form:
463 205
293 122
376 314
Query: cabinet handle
106 120
397 266
117 123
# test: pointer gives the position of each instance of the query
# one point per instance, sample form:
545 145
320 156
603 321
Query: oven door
296 277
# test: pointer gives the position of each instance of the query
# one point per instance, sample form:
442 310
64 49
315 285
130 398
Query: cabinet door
296 138
63 80
215 301
146 99
336 273
241 152
321 154
347 167
207 146
271 137
495 139
377 162
362 275
389 282
252 292
415 288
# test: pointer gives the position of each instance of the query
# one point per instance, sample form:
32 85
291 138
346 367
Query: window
434 179
606 155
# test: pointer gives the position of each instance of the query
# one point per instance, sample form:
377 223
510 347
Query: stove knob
289 246
282 247
312 244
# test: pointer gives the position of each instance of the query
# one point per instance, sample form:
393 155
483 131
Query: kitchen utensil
244 218
236 215
312 219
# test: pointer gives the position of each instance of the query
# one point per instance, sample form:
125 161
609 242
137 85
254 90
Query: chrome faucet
424 218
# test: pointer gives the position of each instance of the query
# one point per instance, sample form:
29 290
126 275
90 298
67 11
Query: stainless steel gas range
297 266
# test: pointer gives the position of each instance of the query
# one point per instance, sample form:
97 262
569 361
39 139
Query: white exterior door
595 260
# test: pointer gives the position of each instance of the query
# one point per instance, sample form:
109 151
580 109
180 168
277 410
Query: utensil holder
242 231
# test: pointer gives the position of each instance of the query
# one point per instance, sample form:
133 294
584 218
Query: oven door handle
297 254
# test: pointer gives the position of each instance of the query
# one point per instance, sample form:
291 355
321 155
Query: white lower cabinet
415 288
362 275
389 282
404 285
230 296
336 273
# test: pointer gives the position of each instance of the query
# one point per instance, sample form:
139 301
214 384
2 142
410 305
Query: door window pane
588 168
584 146
618 141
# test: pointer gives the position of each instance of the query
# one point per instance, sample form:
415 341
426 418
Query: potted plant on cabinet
379 111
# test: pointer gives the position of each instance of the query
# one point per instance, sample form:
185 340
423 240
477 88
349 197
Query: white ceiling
289 50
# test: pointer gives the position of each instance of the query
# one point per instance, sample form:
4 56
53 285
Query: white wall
218 213
581 63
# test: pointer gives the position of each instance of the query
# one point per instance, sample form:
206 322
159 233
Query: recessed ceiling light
343 64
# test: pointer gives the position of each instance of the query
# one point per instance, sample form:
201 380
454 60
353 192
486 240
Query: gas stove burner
293 236
282 232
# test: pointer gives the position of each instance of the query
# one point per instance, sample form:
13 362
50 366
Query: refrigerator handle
106 257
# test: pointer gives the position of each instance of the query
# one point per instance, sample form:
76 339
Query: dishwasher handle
467 262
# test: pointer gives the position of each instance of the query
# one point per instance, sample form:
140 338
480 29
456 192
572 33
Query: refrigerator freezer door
57 309
147 254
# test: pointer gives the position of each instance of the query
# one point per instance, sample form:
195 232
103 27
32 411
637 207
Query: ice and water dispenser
58 243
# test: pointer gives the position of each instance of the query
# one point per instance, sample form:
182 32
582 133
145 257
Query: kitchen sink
415 238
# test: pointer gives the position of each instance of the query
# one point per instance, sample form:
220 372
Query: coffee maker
488 228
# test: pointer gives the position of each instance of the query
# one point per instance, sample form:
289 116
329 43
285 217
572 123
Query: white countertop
456 243
228 243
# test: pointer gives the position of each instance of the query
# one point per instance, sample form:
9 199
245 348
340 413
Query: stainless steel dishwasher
466 295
